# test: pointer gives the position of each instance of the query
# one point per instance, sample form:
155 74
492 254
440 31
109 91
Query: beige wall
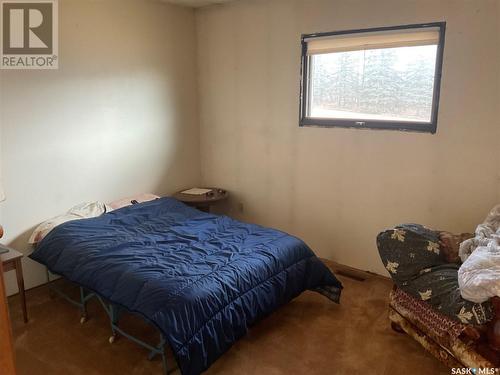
118 117
337 188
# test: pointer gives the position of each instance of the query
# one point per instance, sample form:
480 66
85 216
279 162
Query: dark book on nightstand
3 249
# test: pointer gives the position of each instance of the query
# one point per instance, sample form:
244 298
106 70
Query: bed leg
114 312
164 361
52 294
161 348
83 308
113 338
114 316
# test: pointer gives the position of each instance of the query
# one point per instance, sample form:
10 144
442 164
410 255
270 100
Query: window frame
424 127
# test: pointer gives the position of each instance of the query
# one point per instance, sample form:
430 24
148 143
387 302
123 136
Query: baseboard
351 272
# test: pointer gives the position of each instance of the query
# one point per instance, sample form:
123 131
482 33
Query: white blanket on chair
479 275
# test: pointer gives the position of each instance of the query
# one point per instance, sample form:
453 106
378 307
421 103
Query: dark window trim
425 127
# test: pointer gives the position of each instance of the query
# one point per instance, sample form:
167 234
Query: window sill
419 127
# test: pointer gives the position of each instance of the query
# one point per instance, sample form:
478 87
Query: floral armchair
426 302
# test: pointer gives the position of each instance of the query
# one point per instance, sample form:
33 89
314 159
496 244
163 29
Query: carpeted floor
310 335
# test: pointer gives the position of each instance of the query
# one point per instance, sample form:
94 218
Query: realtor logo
29 34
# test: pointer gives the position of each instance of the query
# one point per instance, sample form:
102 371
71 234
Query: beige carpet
310 335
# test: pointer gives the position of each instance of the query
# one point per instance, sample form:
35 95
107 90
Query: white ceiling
197 3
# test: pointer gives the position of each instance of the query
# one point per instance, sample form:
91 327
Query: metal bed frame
114 313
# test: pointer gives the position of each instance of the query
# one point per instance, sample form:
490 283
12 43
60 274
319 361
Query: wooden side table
204 201
12 261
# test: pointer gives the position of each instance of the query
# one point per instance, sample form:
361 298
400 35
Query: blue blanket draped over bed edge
201 279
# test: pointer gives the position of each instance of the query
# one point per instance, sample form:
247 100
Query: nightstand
11 260
202 201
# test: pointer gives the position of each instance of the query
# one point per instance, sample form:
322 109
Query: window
384 78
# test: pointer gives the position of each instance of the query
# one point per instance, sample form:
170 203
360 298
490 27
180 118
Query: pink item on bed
140 198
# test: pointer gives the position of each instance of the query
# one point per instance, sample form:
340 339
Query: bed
201 279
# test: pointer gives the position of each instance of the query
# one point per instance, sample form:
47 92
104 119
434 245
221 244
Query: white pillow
82 211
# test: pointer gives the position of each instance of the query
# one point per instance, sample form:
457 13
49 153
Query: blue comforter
201 279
